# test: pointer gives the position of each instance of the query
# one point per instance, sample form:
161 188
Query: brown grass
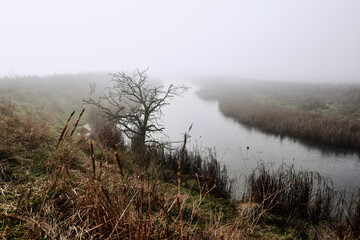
322 113
331 130
29 129
103 130
88 197
90 191
304 196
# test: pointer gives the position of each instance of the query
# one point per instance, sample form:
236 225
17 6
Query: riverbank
325 114
74 187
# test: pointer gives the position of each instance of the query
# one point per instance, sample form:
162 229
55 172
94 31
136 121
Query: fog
283 40
266 100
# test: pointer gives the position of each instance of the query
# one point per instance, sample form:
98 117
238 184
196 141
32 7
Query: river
241 148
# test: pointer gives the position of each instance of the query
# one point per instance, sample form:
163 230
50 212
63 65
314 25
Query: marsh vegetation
61 181
322 113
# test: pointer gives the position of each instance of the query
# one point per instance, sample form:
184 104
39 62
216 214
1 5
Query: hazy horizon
278 40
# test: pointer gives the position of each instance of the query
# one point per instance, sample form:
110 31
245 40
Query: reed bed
317 113
200 167
310 126
304 196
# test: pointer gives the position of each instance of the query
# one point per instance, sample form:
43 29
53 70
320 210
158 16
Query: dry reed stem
347 215
178 200
77 122
64 129
93 160
339 231
118 161
122 215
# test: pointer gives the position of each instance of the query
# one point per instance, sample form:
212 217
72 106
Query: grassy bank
326 114
71 187
63 185
60 183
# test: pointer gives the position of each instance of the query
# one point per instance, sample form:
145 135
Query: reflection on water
325 149
241 147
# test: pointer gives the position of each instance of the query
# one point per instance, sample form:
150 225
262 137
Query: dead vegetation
29 129
77 187
325 114
305 197
91 195
90 191
310 126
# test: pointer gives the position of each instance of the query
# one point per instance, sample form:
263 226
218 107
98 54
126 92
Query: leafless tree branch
134 105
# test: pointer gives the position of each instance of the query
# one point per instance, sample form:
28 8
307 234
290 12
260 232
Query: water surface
230 139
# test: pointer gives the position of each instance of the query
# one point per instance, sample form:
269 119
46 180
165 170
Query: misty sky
266 39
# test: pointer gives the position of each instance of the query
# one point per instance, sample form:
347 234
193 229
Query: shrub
103 130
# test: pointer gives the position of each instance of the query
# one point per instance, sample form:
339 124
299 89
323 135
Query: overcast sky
264 39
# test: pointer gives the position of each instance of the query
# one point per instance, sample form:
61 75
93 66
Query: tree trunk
138 143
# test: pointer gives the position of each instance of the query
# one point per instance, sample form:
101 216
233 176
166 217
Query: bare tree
135 105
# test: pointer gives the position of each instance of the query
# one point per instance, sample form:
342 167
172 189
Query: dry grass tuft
29 130
303 196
